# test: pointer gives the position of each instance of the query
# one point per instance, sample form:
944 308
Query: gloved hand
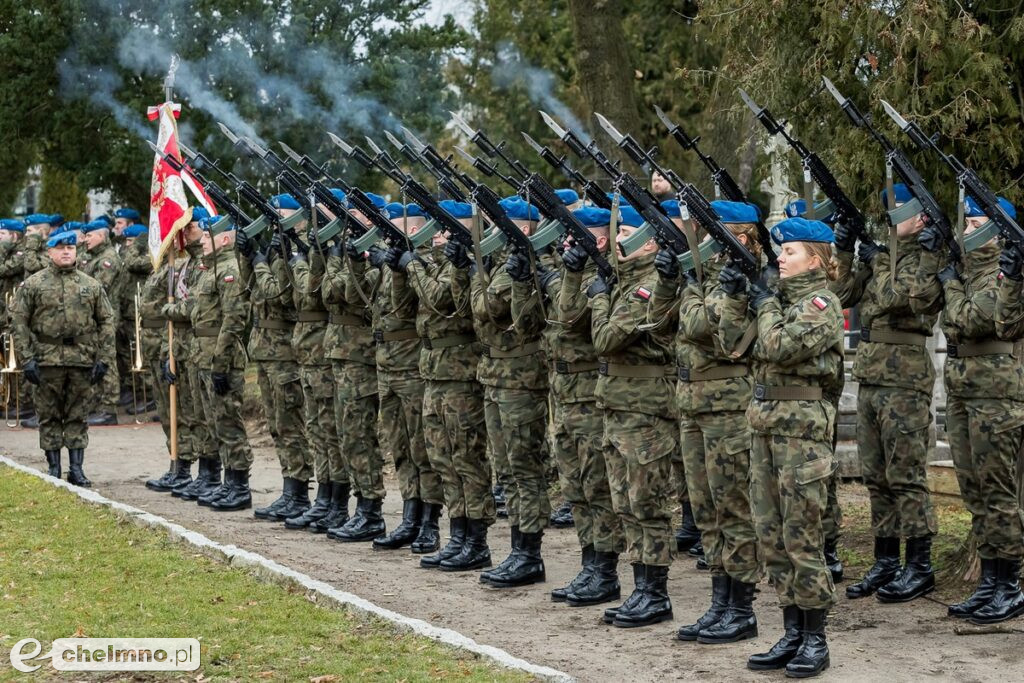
868 251
273 250
598 286
221 383
313 239
575 259
948 273
377 256
99 371
667 264
406 258
243 243
1011 260
165 372
844 238
353 252
930 239
391 257
518 267
258 258
732 280
31 371
689 277
758 295
546 277
335 249
456 253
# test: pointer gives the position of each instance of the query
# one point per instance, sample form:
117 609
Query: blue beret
284 201
130 214
518 210
65 237
135 230
630 217
798 208
671 208
593 217
377 200
38 218
395 210
56 219
12 224
900 191
735 212
567 195
94 225
611 198
457 209
216 224
199 213
339 195
106 219
973 210
801 230
73 225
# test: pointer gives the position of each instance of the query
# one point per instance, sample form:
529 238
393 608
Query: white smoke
512 70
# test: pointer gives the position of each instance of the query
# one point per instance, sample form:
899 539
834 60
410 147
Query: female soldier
798 350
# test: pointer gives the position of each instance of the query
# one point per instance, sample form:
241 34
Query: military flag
169 210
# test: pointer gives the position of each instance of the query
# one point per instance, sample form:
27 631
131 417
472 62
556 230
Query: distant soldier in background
138 265
101 261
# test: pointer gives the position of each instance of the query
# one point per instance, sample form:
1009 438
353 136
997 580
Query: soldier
123 218
985 403
138 266
64 328
798 350
37 230
101 262
712 395
12 232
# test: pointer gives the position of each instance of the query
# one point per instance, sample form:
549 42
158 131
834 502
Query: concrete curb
268 570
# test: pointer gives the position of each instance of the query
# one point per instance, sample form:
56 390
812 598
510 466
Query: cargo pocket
655 440
813 470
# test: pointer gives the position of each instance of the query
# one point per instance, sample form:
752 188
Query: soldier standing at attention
64 329
101 262
798 351
138 265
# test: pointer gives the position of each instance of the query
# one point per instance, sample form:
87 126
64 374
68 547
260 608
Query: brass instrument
10 374
137 365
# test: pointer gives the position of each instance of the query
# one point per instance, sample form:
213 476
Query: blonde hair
750 230
825 253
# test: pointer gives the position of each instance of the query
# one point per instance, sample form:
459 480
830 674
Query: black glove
930 239
273 250
598 286
335 249
1011 260
667 264
165 372
844 239
353 252
99 371
518 267
312 238
31 372
377 256
758 295
406 258
575 259
732 281
689 277
391 257
258 258
456 253
545 277
243 243
867 251
948 273
221 383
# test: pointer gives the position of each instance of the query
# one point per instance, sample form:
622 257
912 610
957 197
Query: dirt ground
868 640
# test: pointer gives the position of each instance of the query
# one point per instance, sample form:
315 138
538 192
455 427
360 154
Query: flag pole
172 393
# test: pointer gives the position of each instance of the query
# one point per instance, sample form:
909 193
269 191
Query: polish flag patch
821 303
642 293
106 264
229 278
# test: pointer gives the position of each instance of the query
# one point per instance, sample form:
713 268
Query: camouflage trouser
107 393
124 337
832 517
355 412
516 424
321 428
456 437
985 438
281 391
892 439
400 429
576 442
681 493
224 414
788 481
190 391
638 453
160 391
62 404
716 448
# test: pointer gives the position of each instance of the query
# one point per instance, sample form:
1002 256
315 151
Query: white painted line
270 570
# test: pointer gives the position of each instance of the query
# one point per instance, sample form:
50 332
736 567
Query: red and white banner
169 211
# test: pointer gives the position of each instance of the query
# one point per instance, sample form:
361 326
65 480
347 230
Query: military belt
988 348
59 341
447 342
311 316
521 352
763 392
380 336
346 319
717 372
206 331
153 323
893 337
635 371
564 367
274 324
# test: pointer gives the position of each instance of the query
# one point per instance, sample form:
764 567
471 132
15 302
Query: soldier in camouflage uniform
797 353
12 232
712 394
101 262
981 318
138 266
64 328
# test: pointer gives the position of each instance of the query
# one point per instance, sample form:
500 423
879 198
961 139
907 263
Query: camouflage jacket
34 257
391 316
138 265
695 311
349 332
11 269
308 337
62 318
220 314
105 266
617 329
186 277
904 306
154 296
449 350
270 300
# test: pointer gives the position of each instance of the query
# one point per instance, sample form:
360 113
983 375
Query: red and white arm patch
642 293
107 264
820 302
229 278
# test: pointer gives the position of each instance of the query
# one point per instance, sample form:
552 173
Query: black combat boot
239 496
719 601
365 525
485 577
587 561
688 534
317 511
406 532
206 483
832 561
738 622
500 501
783 651
75 474
429 538
561 517
916 579
1007 601
162 484
981 595
812 657
653 606
270 512
103 418
337 513
212 494
634 597
53 463
603 584
474 554
456 537
527 567
182 474
887 564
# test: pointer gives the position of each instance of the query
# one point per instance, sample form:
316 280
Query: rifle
898 162
725 185
219 197
845 211
590 188
438 166
444 183
969 181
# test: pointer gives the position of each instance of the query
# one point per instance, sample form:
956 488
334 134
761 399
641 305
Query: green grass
68 568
